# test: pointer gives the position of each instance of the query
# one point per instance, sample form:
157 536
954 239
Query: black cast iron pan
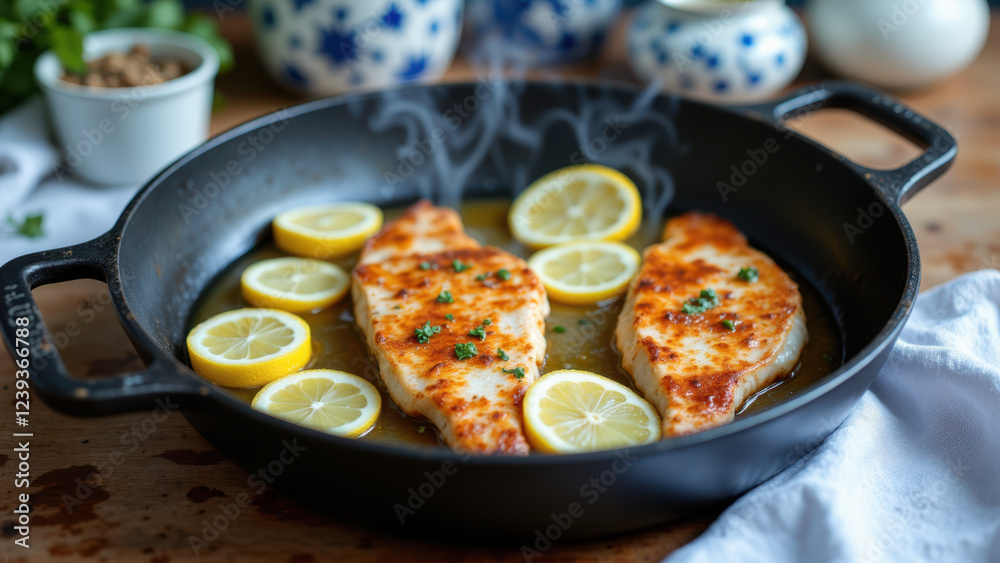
837 223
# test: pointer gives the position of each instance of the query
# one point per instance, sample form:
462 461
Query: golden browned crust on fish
475 405
692 367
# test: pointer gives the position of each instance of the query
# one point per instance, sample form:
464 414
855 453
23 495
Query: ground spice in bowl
126 70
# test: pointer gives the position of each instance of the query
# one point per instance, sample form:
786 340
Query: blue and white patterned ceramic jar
543 31
727 51
322 47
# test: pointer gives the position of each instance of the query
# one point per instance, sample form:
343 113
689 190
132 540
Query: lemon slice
296 285
249 347
330 401
570 411
585 272
587 201
326 231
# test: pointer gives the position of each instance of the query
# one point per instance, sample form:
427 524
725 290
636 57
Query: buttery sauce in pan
585 344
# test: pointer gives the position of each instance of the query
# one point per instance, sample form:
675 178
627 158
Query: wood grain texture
130 488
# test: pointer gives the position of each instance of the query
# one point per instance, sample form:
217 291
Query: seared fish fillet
400 284
692 367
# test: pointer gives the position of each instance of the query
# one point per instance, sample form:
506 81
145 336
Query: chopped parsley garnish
450 317
749 275
458 266
698 305
729 324
503 355
426 332
482 277
421 429
517 372
487 322
583 322
558 328
479 332
427 266
503 274
398 307
465 350
445 297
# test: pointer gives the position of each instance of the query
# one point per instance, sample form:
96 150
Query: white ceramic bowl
120 136
324 47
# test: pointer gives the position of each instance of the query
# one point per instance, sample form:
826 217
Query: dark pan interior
800 203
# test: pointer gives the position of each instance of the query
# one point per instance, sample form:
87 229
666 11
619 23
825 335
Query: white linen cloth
913 474
74 211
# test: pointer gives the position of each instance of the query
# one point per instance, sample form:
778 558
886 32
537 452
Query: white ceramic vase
898 44
721 51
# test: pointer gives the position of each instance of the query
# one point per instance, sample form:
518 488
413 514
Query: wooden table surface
128 487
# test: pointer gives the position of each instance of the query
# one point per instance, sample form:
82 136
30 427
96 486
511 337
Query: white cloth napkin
913 474
73 210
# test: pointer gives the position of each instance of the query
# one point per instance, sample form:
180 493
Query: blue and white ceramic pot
721 51
542 31
322 47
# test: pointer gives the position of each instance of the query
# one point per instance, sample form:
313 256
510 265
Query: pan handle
898 184
27 338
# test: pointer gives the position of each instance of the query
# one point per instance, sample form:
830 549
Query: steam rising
496 135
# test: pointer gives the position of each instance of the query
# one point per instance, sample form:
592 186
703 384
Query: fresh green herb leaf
465 350
503 274
450 317
30 227
558 328
67 44
705 301
583 322
517 372
482 277
445 297
398 307
425 266
168 14
478 332
458 266
729 324
503 355
426 332
749 275
421 429
487 322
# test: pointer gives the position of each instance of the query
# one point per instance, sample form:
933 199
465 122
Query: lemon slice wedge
330 401
571 411
326 231
585 272
249 347
586 201
296 285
